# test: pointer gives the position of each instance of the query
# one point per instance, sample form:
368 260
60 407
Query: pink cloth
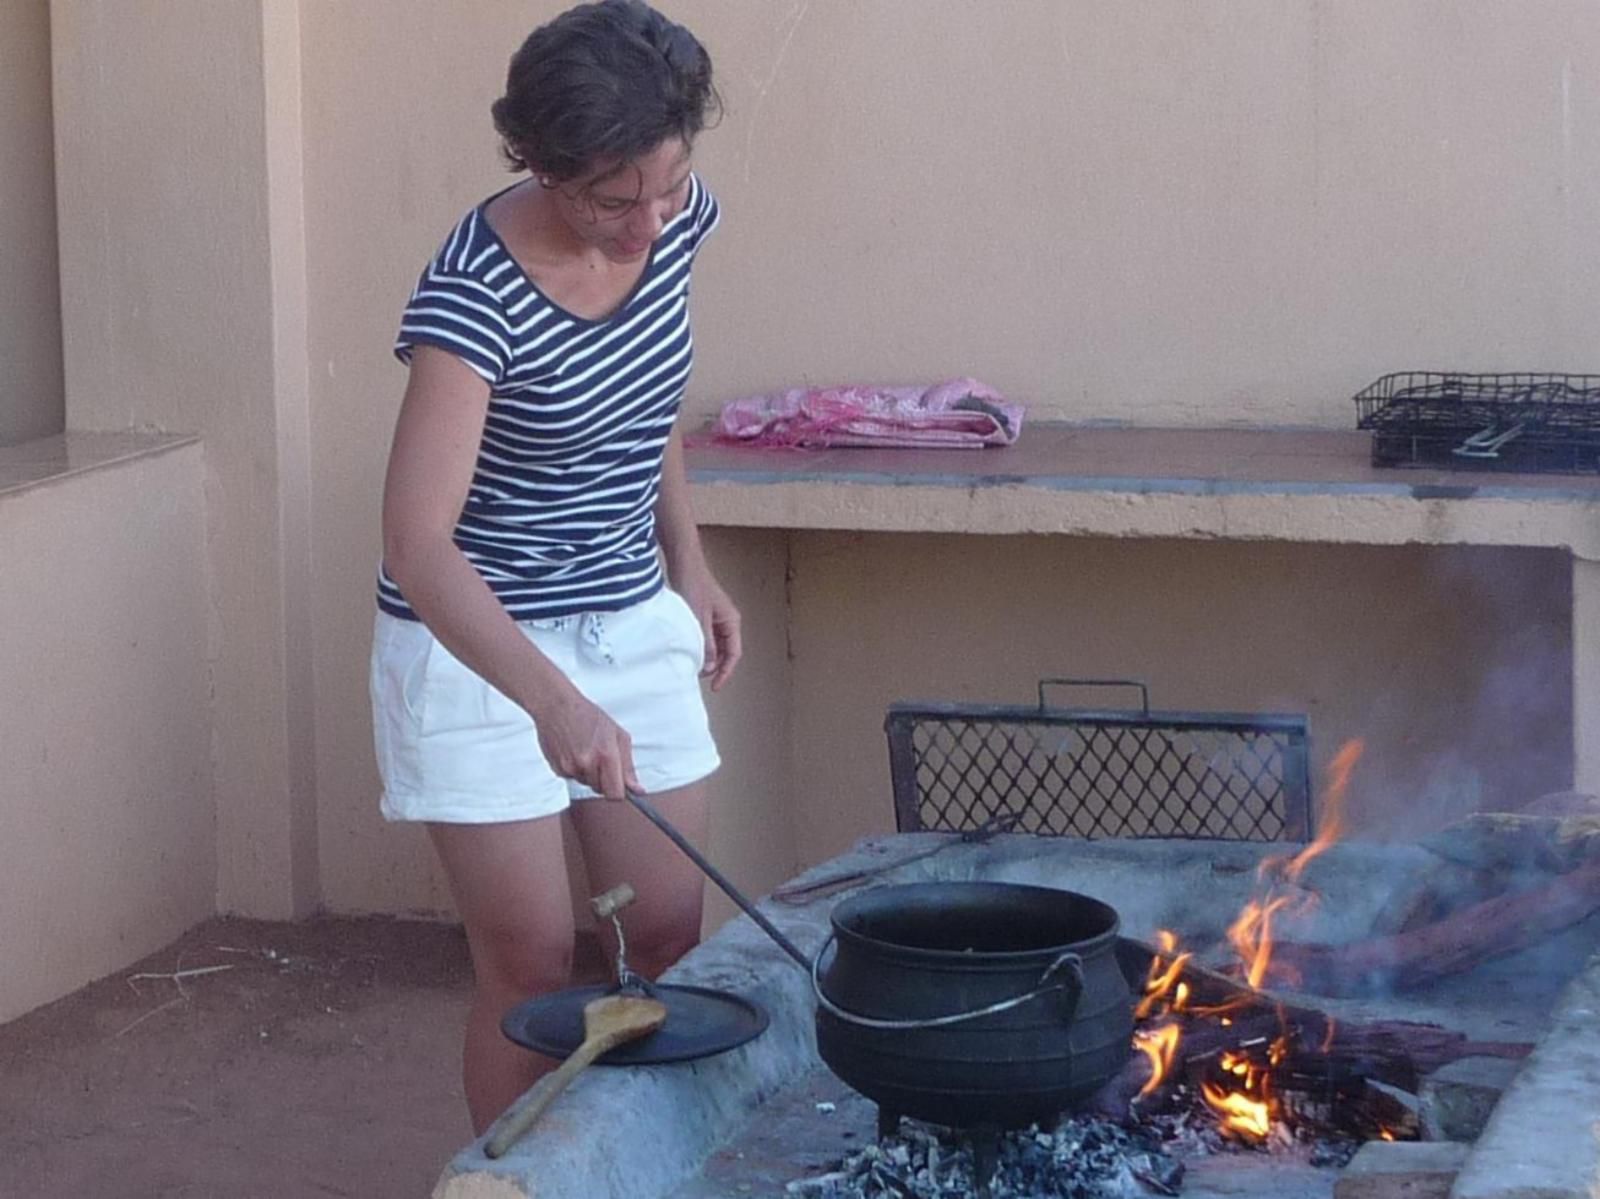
959 413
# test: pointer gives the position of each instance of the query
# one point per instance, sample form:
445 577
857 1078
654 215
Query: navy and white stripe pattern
560 517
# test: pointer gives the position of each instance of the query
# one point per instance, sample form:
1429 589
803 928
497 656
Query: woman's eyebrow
636 197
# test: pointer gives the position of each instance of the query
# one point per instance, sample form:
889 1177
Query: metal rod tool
716 876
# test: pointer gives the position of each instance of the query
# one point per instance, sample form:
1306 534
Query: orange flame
1331 828
1332 825
1251 933
1241 1096
1245 1105
1163 976
1251 937
1159 1044
1240 1113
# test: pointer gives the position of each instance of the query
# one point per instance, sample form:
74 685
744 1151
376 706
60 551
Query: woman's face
621 208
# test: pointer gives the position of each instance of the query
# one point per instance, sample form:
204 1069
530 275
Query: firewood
1489 854
1394 1109
1430 894
1457 943
1397 1052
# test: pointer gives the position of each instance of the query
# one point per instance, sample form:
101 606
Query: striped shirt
560 515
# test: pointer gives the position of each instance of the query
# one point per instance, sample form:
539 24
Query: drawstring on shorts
592 637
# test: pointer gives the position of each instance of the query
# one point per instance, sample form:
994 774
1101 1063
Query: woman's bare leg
511 891
621 846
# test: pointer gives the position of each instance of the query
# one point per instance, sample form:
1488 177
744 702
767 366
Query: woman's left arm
688 572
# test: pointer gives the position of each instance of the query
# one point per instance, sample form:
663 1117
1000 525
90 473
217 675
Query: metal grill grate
1065 772
1539 423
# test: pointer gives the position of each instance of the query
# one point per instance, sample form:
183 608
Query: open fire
1240 1084
1227 1062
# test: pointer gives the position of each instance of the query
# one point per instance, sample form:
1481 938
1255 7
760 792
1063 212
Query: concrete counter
1291 485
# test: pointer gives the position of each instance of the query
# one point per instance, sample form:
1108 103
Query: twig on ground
161 1008
195 972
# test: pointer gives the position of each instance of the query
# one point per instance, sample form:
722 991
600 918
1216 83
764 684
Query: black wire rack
1091 773
1532 423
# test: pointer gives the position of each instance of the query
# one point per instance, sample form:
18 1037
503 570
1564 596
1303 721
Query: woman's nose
648 223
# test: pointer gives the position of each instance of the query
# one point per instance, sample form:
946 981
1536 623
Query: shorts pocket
683 629
429 689
400 652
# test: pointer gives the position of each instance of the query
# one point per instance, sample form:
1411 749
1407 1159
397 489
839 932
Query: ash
1185 1128
1082 1157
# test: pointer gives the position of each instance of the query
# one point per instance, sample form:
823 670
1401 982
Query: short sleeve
455 309
704 213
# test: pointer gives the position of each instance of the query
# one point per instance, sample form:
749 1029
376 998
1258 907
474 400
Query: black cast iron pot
973 1004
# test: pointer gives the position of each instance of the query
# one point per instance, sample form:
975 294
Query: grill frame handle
1144 690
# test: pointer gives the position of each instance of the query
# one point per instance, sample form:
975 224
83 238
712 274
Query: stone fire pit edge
641 1131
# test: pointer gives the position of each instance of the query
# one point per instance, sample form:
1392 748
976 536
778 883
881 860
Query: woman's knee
661 939
521 957
510 886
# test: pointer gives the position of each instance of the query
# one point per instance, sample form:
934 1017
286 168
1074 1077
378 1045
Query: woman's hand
584 744
719 622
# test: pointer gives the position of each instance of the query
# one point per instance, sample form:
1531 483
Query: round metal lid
700 1022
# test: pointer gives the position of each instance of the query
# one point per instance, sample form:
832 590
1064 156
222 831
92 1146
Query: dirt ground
318 1059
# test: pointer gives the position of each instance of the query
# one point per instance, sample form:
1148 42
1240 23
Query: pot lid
700 1022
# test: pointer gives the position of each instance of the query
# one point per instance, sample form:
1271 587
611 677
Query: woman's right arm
430 470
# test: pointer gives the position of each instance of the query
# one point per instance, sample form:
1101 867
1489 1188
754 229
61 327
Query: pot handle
1074 963
1068 961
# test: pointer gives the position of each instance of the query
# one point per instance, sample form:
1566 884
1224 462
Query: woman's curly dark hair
610 80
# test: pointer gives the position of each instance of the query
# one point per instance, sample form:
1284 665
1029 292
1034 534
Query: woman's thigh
621 846
509 882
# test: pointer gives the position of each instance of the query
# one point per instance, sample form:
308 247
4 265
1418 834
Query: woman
529 649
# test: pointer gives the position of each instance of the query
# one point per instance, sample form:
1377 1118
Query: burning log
1397 1052
1223 1016
1456 943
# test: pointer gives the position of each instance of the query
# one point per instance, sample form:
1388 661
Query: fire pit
768 1115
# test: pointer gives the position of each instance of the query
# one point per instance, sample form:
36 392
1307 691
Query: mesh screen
1100 778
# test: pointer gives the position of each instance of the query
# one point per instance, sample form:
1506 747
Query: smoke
1480 717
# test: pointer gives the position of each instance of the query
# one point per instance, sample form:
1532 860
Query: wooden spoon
608 1021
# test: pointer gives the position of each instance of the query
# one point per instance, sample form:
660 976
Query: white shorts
453 749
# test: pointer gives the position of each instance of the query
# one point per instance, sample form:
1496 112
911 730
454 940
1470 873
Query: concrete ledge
66 455
1401 1170
636 1132
1246 484
1543 1139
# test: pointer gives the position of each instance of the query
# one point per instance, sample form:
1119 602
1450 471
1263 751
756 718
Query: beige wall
1452 664
30 316
183 279
109 845
1152 212
1155 212
1167 213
